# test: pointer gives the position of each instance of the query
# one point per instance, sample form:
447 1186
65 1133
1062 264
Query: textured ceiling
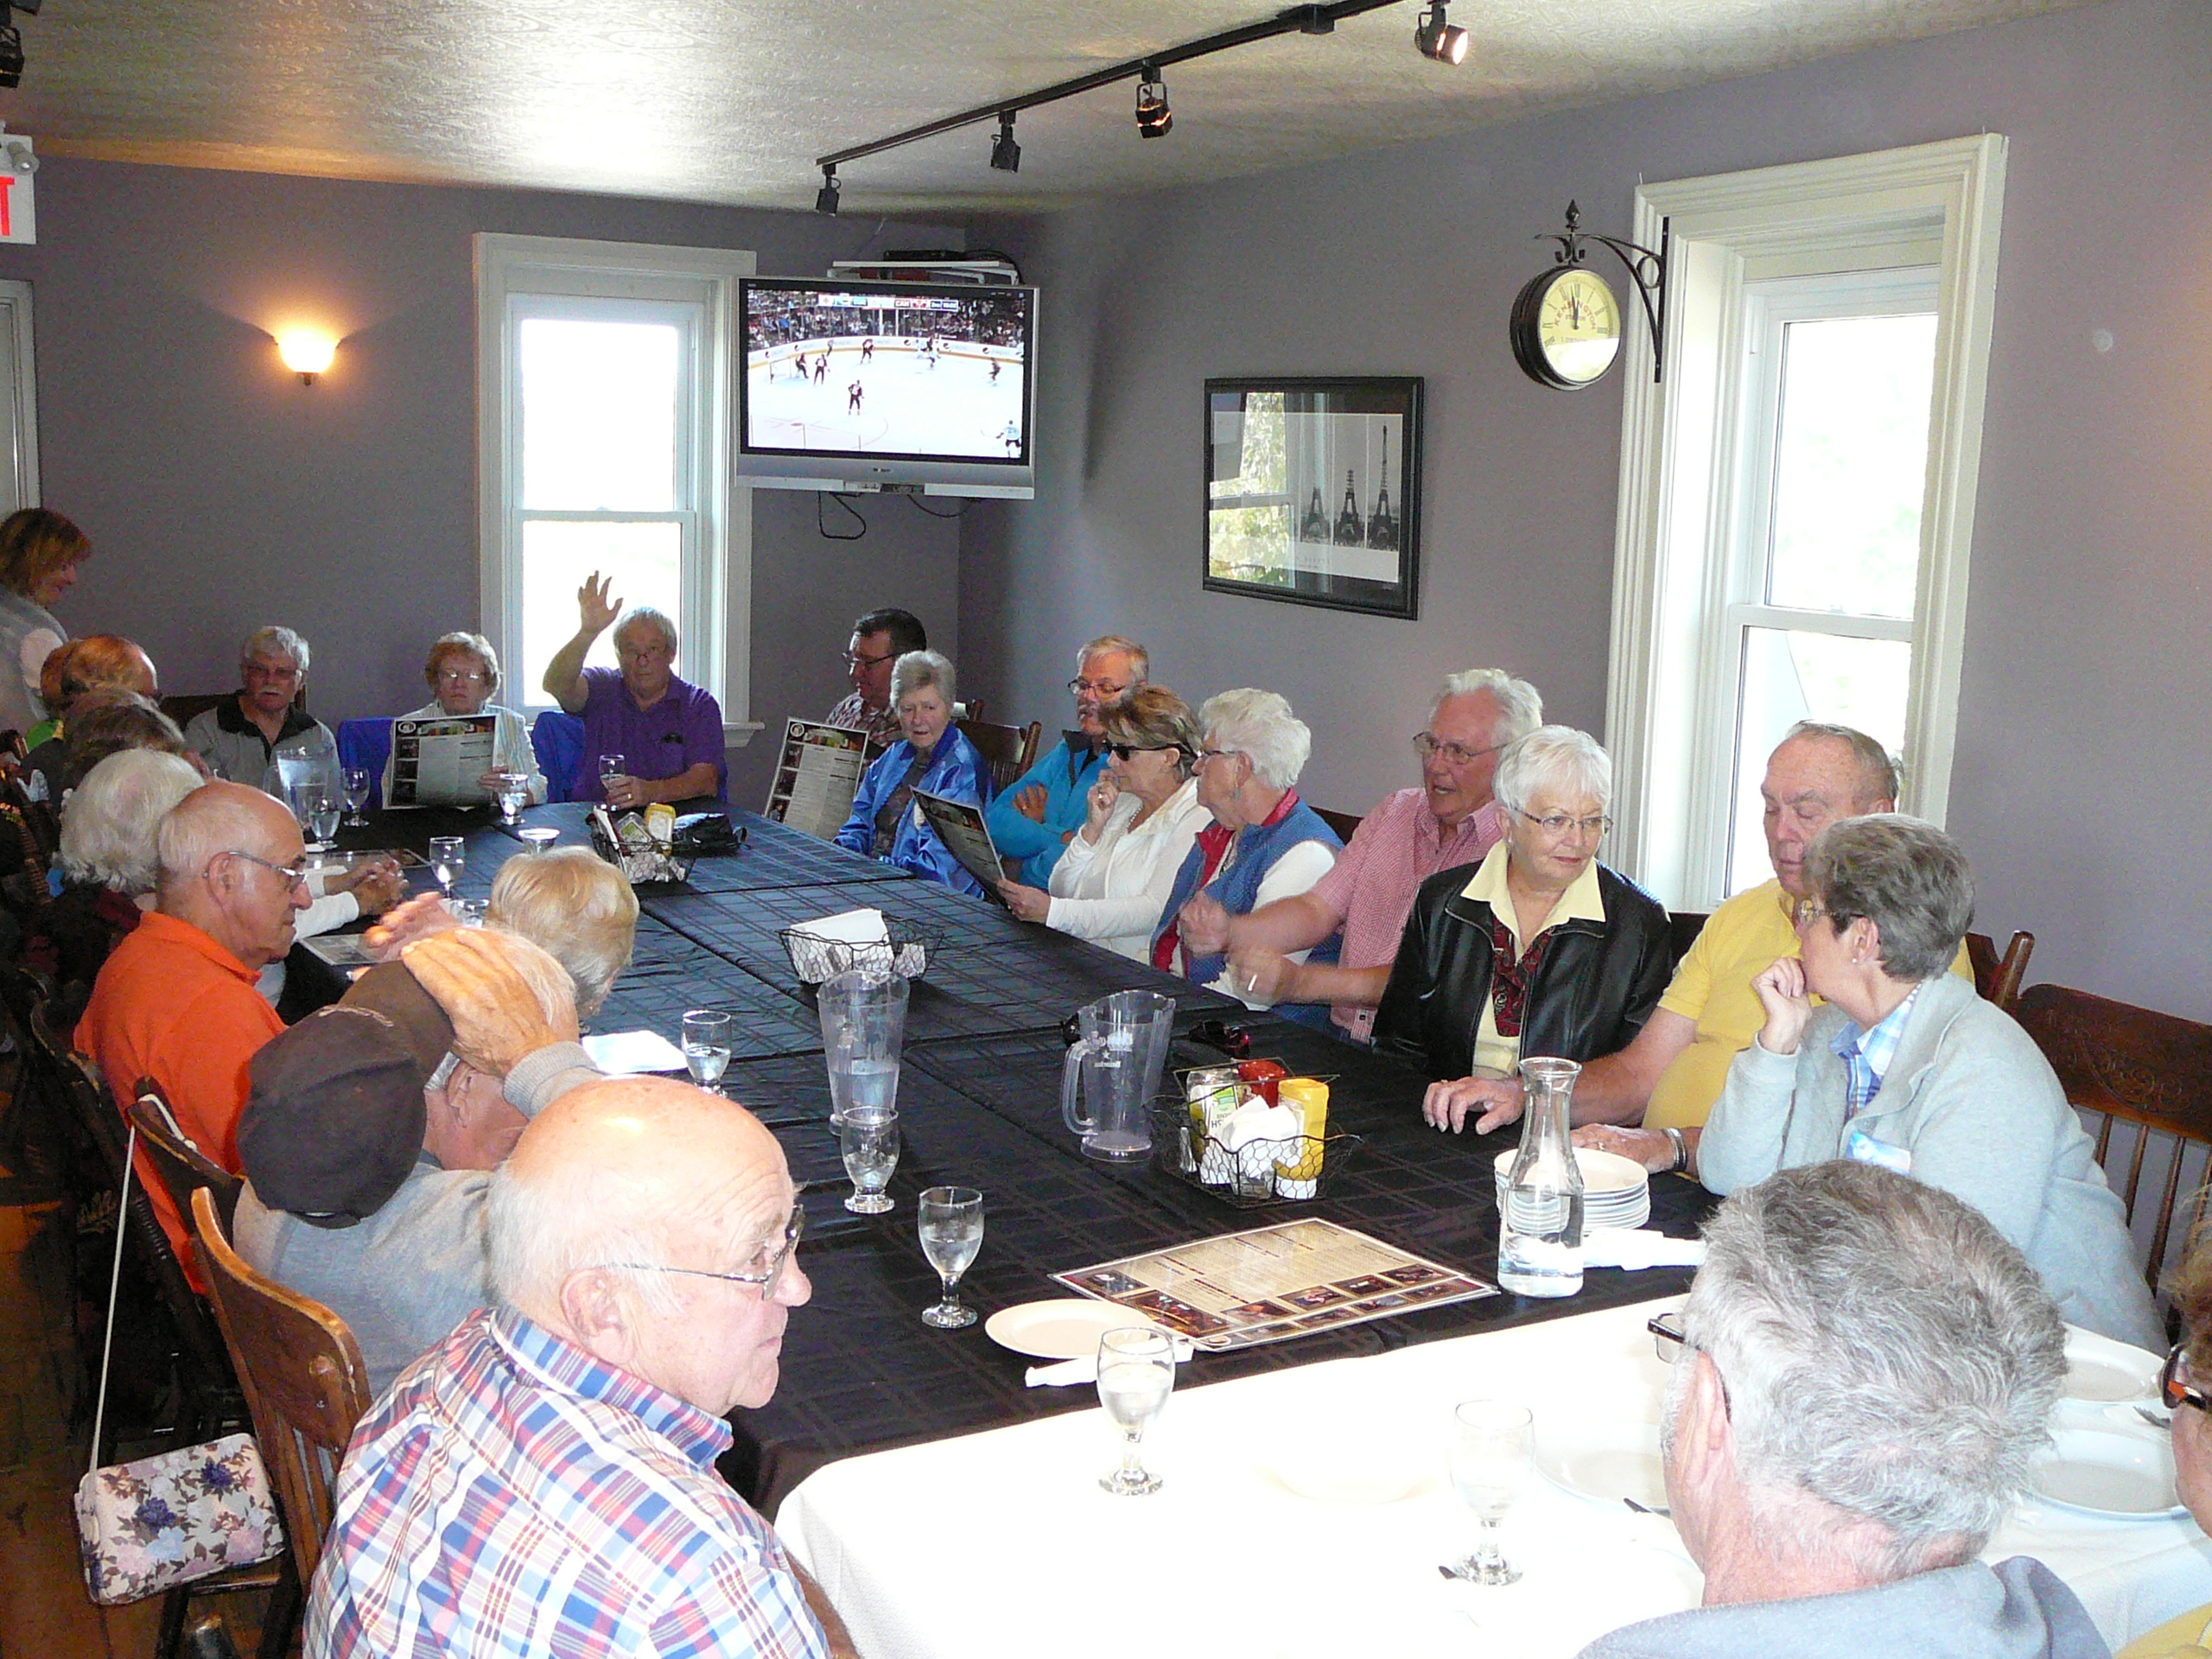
730 100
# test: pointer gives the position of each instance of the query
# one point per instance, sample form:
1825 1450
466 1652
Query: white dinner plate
2108 1471
2099 1368
1064 1328
1357 1467
1602 1172
1607 1463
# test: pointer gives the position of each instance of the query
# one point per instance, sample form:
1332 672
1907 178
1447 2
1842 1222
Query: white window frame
19 387
1936 204
716 648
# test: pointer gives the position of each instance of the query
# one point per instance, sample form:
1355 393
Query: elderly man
367 1134
241 738
1033 820
879 638
641 1244
668 731
1861 1377
1670 1077
1449 821
176 1002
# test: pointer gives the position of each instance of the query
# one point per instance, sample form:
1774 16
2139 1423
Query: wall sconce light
306 353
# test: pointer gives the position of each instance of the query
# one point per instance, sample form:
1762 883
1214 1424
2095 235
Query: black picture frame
1274 447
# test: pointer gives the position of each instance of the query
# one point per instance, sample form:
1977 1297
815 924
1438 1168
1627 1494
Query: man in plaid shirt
543 1482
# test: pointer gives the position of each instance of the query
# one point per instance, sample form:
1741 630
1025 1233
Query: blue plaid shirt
1867 1054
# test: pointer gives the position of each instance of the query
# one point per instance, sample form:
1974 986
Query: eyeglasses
463 676
295 875
1458 755
767 1276
1205 755
852 659
2173 1389
1100 688
1123 751
268 671
1556 825
1667 1339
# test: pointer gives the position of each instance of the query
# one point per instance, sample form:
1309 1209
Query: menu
1274 1283
816 777
960 825
436 762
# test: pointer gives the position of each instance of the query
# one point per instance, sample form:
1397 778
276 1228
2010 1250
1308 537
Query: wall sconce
306 353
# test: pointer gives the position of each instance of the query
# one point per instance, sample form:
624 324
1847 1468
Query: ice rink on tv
908 406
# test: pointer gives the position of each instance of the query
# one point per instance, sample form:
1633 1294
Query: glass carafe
1540 1224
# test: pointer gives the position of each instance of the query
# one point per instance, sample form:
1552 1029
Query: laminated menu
1274 1283
816 777
437 762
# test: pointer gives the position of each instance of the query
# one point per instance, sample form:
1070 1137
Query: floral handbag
147 1526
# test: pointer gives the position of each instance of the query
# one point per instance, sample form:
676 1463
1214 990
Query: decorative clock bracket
1646 269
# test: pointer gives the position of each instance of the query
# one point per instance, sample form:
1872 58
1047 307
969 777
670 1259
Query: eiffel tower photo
1350 532
1383 526
1314 527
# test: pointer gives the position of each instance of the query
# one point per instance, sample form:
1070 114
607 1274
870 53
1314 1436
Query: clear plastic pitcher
1113 1072
863 1027
1540 1232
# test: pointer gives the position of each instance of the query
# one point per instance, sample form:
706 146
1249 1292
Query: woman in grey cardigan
1905 1066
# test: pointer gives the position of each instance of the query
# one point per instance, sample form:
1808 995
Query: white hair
108 826
1114 643
1569 760
273 641
575 905
659 621
917 670
1259 726
536 1232
1520 705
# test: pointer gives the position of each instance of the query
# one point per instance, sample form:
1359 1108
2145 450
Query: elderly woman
1905 1066
2187 1388
931 756
40 552
1541 950
463 672
1141 818
259 733
1264 845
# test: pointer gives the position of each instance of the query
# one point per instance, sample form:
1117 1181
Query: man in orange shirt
175 1001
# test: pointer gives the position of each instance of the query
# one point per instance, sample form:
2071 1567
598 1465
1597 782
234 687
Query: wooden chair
1344 824
1011 750
1682 928
2133 1065
1998 978
305 1384
184 1168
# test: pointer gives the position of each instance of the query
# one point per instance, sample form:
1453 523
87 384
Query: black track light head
11 52
825 199
1445 41
1154 119
1005 155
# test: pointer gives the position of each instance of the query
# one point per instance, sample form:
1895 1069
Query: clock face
1579 326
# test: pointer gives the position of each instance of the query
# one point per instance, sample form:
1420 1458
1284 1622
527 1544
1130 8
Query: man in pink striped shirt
1410 836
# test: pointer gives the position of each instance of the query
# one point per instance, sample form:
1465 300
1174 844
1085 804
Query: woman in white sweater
1113 880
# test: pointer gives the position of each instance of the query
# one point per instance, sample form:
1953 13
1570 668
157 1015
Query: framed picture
1314 492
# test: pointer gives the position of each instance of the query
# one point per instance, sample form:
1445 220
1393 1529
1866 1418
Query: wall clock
1566 323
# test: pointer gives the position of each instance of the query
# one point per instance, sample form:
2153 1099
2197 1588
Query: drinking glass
706 1046
1136 1371
1492 1454
951 1222
610 768
358 784
323 815
449 857
469 912
512 789
869 1139
539 836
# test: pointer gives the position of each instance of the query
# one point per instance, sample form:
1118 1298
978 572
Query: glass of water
706 1046
539 836
868 1137
449 858
358 784
1137 1371
324 814
512 789
610 768
951 1222
1492 1454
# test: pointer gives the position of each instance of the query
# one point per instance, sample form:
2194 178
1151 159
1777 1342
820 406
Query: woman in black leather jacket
1538 950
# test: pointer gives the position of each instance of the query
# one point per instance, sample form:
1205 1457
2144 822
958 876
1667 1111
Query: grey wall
2081 786
220 493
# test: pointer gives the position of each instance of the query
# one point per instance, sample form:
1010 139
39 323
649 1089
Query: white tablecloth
1001 1543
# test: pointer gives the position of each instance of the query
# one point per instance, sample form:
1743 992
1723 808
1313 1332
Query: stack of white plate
1616 1191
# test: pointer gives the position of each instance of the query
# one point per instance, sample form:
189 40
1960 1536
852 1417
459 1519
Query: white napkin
1083 1371
624 1053
1635 1248
1257 1121
865 927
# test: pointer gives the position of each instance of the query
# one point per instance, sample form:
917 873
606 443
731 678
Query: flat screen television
854 385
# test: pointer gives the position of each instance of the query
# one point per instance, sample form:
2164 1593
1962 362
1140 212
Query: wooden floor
44 1612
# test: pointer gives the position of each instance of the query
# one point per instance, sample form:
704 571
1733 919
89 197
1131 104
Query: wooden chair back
1999 978
41 829
2136 1066
304 1381
184 1168
1344 824
1682 928
1010 750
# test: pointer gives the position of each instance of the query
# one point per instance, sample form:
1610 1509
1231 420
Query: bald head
222 852
107 662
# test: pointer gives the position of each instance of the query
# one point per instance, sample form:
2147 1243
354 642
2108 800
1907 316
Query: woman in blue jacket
933 757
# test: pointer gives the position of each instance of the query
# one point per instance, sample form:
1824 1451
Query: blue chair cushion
365 744
559 740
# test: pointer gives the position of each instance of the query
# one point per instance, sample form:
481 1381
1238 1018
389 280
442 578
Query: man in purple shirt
668 731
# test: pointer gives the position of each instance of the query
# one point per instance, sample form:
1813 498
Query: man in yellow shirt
1670 1077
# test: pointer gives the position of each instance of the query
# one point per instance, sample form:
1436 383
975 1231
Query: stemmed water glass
512 790
449 857
868 1138
1136 1371
610 768
358 784
951 1222
324 815
706 1046
1493 1452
